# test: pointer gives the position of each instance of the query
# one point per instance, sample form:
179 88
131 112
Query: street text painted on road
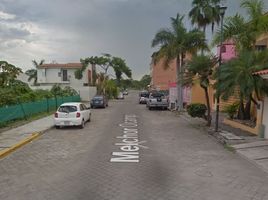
129 142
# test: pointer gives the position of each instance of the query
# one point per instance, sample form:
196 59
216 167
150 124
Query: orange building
163 76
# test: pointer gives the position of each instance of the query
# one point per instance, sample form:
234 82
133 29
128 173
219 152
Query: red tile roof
67 65
262 72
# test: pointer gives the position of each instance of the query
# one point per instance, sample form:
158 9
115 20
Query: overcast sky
67 30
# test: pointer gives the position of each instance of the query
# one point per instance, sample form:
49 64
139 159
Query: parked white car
120 95
72 114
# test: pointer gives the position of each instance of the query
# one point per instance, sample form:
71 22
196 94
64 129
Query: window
260 47
44 72
67 109
81 107
223 49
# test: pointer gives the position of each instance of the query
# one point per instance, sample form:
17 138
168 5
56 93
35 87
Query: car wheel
82 124
57 127
149 108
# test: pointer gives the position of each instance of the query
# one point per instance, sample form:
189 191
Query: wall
229 51
265 117
51 76
86 92
162 77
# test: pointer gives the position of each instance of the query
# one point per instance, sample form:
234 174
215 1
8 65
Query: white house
264 105
64 75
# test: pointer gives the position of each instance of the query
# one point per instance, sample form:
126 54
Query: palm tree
102 79
238 73
175 43
32 73
243 31
120 68
205 12
200 69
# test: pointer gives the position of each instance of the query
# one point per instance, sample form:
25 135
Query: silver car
157 100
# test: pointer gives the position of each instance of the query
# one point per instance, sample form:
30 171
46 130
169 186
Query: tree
175 43
102 79
145 81
120 68
205 12
243 31
200 69
238 73
8 72
105 62
32 73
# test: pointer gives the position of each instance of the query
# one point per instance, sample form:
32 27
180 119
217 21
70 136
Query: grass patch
229 148
4 126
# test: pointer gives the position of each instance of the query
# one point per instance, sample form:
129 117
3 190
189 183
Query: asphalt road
169 160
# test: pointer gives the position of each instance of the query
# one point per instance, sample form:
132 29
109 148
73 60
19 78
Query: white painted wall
51 76
86 92
265 117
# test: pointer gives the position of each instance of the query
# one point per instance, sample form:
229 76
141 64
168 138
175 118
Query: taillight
56 115
78 114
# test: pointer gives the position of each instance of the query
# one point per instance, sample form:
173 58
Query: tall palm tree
239 73
120 68
199 69
174 43
32 73
244 31
205 12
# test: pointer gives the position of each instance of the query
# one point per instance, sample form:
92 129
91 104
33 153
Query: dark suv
99 101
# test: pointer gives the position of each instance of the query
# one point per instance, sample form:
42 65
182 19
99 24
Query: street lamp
222 12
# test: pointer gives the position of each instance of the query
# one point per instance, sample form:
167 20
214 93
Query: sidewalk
16 137
250 147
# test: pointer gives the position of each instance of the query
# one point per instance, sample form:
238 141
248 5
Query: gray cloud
67 30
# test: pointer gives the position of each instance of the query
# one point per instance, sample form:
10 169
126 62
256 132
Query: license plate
66 123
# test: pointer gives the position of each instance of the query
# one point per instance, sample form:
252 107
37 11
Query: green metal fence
24 110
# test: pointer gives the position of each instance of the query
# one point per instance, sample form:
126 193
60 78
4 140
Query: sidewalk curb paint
7 151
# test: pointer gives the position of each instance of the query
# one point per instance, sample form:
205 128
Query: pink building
228 50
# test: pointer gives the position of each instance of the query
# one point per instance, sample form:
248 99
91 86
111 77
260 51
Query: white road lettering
129 144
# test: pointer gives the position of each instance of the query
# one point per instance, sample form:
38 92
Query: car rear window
144 94
97 98
67 109
156 95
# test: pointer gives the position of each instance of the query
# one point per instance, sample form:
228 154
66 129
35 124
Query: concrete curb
252 162
7 151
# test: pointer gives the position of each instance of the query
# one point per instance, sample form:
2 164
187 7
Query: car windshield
157 95
67 109
97 98
144 94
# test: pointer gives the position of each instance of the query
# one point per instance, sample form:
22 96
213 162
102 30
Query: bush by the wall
231 110
197 110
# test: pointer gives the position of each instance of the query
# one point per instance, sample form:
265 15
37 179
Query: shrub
197 110
231 110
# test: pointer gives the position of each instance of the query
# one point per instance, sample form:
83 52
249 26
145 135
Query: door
64 75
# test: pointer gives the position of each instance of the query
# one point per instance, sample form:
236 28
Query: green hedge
23 110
